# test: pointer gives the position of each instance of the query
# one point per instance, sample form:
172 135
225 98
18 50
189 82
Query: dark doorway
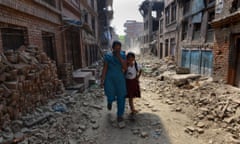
48 44
234 62
237 63
73 48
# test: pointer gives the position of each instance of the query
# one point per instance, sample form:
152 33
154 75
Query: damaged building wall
170 38
28 77
227 42
71 33
151 12
196 35
105 15
90 36
18 15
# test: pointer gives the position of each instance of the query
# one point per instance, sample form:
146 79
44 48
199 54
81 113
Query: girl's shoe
134 111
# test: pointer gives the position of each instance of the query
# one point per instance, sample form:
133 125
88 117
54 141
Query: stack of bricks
28 78
65 73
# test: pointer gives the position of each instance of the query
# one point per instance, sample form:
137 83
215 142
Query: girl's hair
116 43
130 54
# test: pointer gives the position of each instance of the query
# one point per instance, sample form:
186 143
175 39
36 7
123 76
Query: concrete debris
204 100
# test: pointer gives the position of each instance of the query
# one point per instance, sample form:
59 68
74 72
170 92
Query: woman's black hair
116 43
131 54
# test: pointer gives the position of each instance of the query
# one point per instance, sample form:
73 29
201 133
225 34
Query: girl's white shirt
131 72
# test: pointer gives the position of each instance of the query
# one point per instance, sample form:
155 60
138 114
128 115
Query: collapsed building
151 12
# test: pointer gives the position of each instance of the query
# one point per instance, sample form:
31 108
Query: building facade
35 23
196 35
89 32
168 30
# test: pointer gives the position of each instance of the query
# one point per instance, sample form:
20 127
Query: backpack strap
136 66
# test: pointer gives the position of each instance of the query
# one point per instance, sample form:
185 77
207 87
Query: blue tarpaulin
72 22
78 23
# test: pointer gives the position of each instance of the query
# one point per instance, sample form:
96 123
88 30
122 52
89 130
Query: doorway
234 59
237 62
48 45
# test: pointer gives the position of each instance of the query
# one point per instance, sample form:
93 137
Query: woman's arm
124 64
122 61
104 71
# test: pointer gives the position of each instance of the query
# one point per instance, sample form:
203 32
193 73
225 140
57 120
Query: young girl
132 79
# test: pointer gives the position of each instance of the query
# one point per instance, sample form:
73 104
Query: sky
124 10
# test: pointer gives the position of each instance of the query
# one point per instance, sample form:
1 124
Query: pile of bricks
28 78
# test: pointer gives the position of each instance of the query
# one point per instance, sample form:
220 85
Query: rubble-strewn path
172 111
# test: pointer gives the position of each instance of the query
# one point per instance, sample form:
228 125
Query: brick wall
34 25
222 45
221 54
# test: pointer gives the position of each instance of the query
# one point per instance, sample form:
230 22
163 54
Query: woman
113 78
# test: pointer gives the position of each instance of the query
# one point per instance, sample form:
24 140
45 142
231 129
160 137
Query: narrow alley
169 113
54 58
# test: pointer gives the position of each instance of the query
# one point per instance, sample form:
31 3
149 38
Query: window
211 15
235 6
173 12
86 18
92 3
50 2
161 26
13 38
196 31
186 7
184 30
166 47
93 25
76 2
161 50
167 15
154 14
172 46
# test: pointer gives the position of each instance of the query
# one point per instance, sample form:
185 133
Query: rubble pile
27 78
210 104
65 119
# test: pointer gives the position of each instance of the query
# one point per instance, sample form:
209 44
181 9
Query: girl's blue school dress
114 83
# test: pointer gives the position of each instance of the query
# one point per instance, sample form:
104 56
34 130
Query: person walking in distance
132 80
113 79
